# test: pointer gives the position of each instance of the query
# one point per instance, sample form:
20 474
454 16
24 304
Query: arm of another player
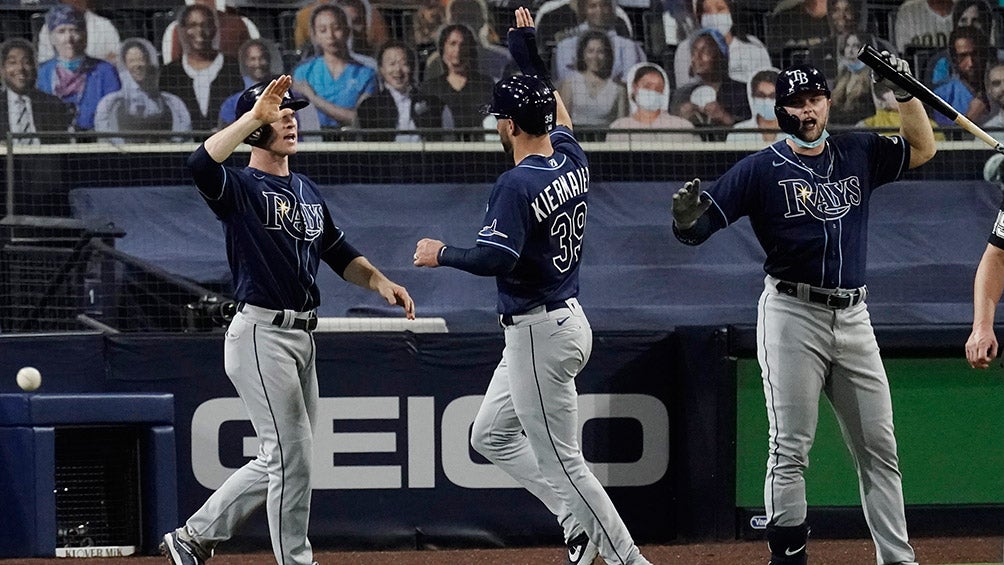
362 273
981 348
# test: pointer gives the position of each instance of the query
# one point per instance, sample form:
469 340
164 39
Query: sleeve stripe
341 236
499 245
903 165
719 208
563 132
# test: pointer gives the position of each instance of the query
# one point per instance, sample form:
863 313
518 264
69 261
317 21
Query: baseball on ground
28 378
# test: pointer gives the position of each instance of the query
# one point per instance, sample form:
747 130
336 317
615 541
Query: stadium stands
631 253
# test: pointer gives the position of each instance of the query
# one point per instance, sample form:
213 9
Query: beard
506 145
811 131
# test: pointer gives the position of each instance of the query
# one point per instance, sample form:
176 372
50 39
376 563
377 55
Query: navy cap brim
295 104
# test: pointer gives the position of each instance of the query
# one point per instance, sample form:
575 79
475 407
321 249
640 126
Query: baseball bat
871 57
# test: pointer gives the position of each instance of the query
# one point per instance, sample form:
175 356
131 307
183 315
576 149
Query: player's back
551 195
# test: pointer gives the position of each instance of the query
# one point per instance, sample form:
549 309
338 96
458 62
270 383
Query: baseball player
278 229
981 348
807 199
532 243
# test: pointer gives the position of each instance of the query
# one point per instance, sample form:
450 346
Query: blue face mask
809 144
855 65
763 107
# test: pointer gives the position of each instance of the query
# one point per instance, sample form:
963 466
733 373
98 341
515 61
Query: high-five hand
688 205
523 18
266 108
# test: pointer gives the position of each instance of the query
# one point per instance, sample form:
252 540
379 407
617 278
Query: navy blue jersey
810 214
277 230
537 212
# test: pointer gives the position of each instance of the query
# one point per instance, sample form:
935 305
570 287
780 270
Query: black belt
836 299
307 325
551 307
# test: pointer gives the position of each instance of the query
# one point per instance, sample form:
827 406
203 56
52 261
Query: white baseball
29 379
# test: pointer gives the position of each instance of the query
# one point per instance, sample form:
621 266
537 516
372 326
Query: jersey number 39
568 230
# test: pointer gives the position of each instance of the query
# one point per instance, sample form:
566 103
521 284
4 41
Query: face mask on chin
649 99
809 144
722 23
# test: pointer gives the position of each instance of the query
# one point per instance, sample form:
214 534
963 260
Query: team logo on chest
300 220
822 200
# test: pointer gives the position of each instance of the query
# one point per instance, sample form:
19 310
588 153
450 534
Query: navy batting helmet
525 100
795 80
263 135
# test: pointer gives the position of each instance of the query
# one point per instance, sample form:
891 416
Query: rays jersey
810 214
277 230
537 212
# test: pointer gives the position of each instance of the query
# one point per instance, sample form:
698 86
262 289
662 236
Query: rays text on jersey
302 220
822 200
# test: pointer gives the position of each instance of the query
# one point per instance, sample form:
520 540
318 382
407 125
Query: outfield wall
671 421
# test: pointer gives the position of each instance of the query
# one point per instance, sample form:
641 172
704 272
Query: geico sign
458 467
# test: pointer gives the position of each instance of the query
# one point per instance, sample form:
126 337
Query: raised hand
266 108
688 205
523 18
902 67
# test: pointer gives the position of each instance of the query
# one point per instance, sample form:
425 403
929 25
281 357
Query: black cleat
581 551
179 551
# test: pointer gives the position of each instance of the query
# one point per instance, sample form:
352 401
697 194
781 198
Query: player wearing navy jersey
531 243
278 229
807 199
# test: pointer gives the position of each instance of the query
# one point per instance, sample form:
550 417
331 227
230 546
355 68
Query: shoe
581 551
180 551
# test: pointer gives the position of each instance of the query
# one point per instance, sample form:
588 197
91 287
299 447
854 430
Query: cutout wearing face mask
649 99
763 107
722 23
853 65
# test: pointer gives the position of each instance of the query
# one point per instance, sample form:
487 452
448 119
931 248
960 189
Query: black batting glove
902 67
688 206
523 47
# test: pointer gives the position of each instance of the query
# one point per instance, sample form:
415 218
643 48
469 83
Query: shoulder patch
489 231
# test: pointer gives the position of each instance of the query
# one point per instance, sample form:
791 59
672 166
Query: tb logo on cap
799 76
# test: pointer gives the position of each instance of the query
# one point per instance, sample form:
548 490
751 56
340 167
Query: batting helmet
795 80
263 135
525 100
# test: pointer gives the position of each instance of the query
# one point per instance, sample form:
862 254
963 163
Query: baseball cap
797 79
526 100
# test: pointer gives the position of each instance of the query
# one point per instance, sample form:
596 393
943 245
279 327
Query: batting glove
688 206
523 47
901 67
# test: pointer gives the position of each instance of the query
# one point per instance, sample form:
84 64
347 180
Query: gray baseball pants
273 370
532 392
806 349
